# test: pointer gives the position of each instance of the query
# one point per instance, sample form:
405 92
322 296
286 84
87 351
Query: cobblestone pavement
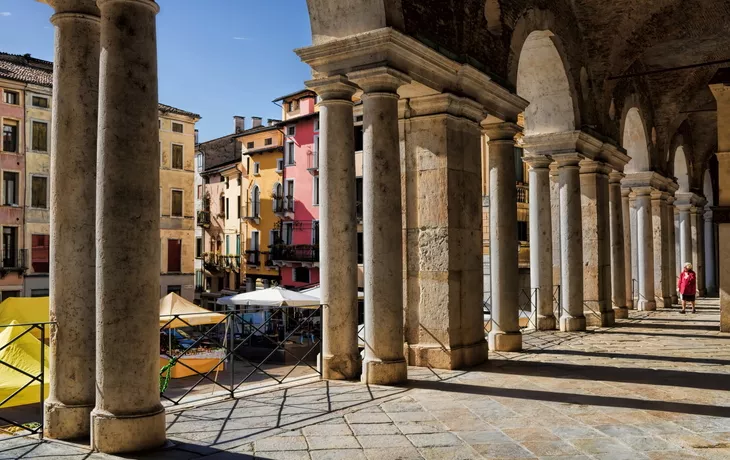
656 386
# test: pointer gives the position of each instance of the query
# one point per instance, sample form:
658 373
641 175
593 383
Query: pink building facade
297 253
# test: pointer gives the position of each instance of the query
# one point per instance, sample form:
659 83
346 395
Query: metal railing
312 161
253 257
24 427
14 260
295 253
523 193
203 219
248 345
218 263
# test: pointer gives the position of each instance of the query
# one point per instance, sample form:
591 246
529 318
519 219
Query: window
315 191
10 247
358 138
238 207
255 241
250 145
39 292
279 165
289 188
177 203
291 130
523 231
177 127
238 245
274 237
174 289
228 208
228 182
301 275
39 192
10 136
10 188
255 201
39 253
228 244
287 229
174 256
38 101
290 153
256 169
316 124
177 156
315 232
315 158
39 134
198 247
11 97
268 141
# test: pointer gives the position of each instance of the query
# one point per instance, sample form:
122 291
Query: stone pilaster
443 227
505 334
338 229
128 415
618 264
645 248
661 248
671 273
384 362
73 204
698 249
633 216
596 243
555 226
541 236
710 279
626 229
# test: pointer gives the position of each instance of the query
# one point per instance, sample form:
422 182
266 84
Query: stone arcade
628 152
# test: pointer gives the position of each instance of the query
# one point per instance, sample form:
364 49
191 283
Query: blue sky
218 58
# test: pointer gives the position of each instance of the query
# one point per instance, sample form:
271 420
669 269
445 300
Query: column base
621 313
675 299
647 305
701 293
572 323
630 305
341 367
376 372
546 323
663 302
115 434
438 357
600 318
505 341
66 422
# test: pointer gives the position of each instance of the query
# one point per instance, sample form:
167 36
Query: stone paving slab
655 386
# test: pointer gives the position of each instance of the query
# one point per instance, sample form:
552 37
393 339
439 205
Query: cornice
567 142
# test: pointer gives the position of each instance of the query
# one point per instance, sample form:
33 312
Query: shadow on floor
621 330
674 359
695 327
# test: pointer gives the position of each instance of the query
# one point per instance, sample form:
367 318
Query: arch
333 19
277 190
542 80
493 14
255 201
680 169
707 188
635 142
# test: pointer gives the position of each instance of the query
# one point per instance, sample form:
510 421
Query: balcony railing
219 263
313 162
523 193
253 258
204 219
15 260
252 210
295 253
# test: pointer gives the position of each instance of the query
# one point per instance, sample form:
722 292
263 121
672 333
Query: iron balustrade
241 343
26 428
203 219
295 253
253 257
523 193
214 262
279 204
312 161
15 260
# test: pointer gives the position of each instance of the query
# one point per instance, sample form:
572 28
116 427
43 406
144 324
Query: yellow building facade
177 201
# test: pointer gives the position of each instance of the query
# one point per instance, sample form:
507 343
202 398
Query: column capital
538 161
642 191
379 79
568 159
79 7
615 177
446 104
670 199
594 167
625 191
501 131
658 195
335 88
151 4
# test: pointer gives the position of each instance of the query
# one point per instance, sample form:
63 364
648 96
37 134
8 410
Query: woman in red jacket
687 286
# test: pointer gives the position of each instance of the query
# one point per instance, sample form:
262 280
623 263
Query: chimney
256 122
239 124
272 121
196 137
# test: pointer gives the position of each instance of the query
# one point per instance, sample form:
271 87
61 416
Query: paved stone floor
656 386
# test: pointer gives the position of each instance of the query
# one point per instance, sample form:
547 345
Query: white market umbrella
317 292
272 297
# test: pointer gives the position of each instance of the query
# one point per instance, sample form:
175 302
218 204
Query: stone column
505 334
442 180
73 203
661 250
645 248
671 248
697 248
555 227
571 244
710 283
633 217
685 234
541 235
384 362
128 415
626 229
338 229
701 288
596 244
618 264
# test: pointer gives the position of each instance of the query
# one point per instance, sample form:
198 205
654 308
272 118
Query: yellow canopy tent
190 314
25 310
24 354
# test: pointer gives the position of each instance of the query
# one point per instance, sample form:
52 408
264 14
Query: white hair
688 265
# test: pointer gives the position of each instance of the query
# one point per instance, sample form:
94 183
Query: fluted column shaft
73 203
505 334
384 361
541 236
128 415
645 248
626 229
338 229
571 244
618 264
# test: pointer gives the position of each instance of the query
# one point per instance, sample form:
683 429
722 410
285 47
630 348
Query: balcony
284 206
252 211
217 263
253 258
313 162
204 219
523 194
14 261
284 254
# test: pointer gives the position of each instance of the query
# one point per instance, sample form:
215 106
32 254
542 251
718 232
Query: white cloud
4 13
240 38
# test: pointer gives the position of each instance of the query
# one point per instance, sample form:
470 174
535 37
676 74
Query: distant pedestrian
687 286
